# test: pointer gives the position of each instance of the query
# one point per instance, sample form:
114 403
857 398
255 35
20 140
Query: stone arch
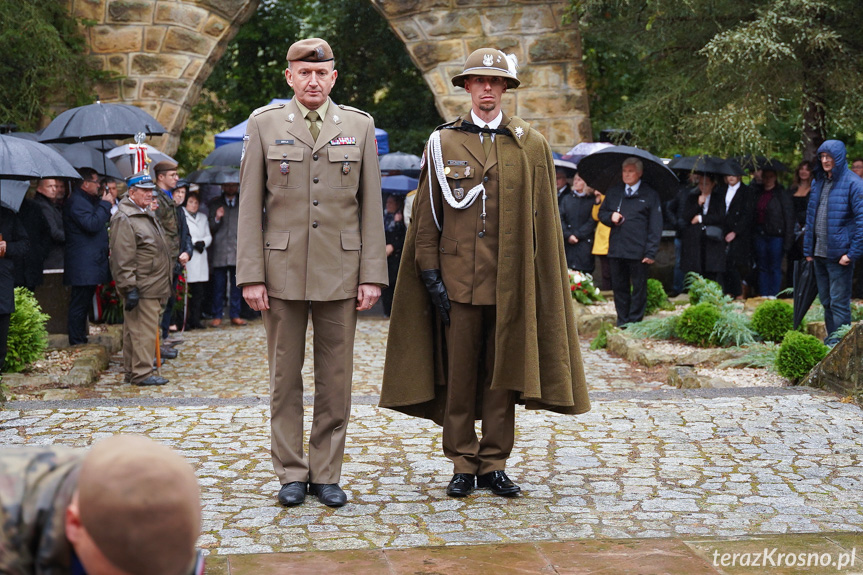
164 50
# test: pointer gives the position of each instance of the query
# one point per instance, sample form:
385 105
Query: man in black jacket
633 212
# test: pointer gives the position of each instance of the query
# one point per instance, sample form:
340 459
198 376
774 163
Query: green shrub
696 324
798 354
601 339
656 297
28 337
759 354
653 328
704 290
856 312
773 319
733 328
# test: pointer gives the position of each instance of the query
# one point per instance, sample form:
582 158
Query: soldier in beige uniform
310 236
485 250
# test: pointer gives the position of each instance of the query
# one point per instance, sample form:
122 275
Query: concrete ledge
633 349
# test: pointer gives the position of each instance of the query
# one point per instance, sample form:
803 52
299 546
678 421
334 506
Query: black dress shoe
292 494
168 352
499 483
152 380
330 494
461 485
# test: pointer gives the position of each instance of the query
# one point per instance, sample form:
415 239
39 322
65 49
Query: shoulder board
352 109
267 108
447 124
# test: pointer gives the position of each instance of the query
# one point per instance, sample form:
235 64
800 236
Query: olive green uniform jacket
139 252
537 351
36 487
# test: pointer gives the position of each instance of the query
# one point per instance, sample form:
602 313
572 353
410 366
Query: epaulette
268 108
351 108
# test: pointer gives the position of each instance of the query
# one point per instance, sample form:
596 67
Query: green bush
28 337
773 319
601 339
733 328
704 290
798 354
653 327
696 324
656 297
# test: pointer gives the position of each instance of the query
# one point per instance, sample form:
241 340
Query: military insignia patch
335 118
346 168
285 168
458 193
346 141
290 117
487 60
467 172
519 132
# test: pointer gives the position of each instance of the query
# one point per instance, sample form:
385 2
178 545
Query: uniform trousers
470 355
139 338
335 325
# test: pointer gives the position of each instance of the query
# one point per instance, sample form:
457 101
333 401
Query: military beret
489 62
164 166
310 50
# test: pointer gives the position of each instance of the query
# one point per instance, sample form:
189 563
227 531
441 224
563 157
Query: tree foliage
44 62
725 76
375 72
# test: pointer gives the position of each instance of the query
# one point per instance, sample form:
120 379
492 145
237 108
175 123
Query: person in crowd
110 184
14 246
198 268
632 210
739 211
394 233
579 228
224 220
126 505
46 198
85 219
833 236
28 268
799 192
141 266
701 222
774 231
407 210
857 166
176 233
458 286
600 241
688 182
171 317
328 257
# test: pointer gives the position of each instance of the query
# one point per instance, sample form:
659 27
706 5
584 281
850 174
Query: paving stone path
647 461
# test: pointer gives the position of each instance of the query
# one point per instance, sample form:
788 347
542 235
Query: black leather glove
199 245
434 284
132 299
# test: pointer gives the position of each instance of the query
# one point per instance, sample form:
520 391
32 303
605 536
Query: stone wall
842 370
164 50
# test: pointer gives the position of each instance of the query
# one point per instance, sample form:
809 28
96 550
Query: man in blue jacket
834 233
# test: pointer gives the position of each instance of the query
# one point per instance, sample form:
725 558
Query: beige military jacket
468 261
311 220
139 252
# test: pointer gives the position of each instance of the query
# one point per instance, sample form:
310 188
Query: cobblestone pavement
645 462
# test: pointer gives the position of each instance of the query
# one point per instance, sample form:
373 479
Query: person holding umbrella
633 212
576 207
701 224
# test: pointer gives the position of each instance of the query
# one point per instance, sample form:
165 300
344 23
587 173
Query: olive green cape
537 352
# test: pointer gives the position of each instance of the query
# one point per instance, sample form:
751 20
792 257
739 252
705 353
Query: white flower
596 291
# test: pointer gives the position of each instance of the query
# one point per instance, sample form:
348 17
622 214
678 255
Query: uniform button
315 157
284 155
315 202
485 179
314 224
268 244
346 156
315 180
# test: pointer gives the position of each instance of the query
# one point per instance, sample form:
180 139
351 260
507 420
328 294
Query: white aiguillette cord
436 160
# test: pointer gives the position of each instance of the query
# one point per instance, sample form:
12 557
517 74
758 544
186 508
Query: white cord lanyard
436 161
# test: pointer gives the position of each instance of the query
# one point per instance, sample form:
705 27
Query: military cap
310 50
489 62
140 180
164 166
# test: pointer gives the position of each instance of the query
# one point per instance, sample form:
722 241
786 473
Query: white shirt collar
634 186
733 189
482 124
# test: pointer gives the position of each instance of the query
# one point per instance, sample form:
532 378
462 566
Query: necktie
628 192
486 144
313 118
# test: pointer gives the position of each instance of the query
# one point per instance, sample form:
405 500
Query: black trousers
628 275
79 309
4 334
196 304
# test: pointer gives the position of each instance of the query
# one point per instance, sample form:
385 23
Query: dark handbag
715 233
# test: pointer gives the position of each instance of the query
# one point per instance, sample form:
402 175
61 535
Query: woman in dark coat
579 227
14 246
703 207
774 232
395 232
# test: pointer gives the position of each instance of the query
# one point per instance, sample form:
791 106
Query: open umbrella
225 155
81 155
602 170
568 166
703 164
13 193
215 175
805 289
124 157
751 162
399 185
396 163
101 122
585 149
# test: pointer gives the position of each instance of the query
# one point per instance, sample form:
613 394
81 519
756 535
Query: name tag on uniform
291 142
346 141
456 162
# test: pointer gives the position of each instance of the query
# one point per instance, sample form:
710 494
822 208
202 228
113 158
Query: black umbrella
751 162
83 156
101 122
602 170
226 155
702 164
396 163
215 175
805 289
398 185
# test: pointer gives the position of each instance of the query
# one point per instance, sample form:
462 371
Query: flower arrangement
110 303
582 288
180 295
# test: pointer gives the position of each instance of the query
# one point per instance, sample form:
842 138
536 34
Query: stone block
179 14
549 77
553 47
109 90
164 89
89 9
117 63
427 55
115 39
589 324
683 377
482 3
182 40
576 79
525 19
153 38
81 375
216 26
817 328
455 23
59 394
229 8
408 31
401 8
437 83
547 103
508 44
163 65
193 69
130 89
124 11
167 115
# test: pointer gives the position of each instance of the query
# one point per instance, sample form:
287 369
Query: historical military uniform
311 230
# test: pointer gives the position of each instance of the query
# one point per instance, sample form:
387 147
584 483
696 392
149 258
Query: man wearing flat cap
311 166
482 316
128 506
141 267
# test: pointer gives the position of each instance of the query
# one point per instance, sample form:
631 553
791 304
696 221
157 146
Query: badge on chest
285 168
